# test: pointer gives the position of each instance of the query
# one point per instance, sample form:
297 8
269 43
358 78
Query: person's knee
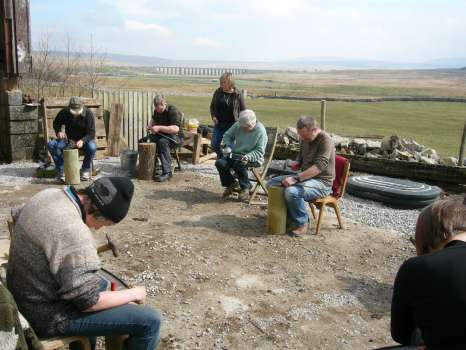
91 147
291 193
162 143
152 321
221 163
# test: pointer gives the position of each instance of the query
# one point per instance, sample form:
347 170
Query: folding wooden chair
260 172
342 167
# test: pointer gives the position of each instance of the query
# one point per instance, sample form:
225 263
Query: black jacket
77 128
430 294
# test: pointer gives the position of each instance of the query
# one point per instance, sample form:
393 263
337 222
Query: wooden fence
137 111
137 105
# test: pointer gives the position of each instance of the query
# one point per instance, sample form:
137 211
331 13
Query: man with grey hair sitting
316 161
430 289
244 145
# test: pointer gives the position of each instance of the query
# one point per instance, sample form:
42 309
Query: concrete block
22 153
23 113
12 98
23 127
21 141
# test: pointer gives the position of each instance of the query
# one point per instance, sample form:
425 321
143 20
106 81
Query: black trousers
164 147
225 166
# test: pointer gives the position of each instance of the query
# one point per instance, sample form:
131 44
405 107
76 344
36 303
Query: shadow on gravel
229 224
376 297
191 197
18 172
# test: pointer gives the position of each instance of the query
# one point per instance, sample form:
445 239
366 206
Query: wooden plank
197 148
53 111
116 115
53 102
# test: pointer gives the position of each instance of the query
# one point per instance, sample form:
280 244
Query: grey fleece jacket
53 262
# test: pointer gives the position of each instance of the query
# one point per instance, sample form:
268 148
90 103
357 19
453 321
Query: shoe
243 195
234 187
163 177
85 175
300 231
60 177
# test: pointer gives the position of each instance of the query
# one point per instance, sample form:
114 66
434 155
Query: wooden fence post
114 129
323 111
463 141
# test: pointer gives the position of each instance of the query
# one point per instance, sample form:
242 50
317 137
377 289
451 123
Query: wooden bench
50 108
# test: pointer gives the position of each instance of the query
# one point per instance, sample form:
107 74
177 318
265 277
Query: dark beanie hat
112 196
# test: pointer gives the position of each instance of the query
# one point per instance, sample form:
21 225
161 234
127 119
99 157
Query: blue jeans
225 166
298 195
141 323
217 136
57 146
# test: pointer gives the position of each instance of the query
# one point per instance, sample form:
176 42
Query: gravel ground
364 211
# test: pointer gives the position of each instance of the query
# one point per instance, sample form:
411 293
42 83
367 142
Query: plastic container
129 160
193 124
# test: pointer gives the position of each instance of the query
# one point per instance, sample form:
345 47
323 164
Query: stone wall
19 128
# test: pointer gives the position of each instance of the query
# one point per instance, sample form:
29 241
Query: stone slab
11 98
23 113
23 127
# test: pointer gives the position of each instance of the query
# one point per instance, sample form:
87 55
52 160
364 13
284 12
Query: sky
257 30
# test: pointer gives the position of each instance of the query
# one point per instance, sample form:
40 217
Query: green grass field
436 124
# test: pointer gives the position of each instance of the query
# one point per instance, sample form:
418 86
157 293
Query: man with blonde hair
244 145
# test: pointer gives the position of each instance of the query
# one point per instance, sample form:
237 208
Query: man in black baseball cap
53 266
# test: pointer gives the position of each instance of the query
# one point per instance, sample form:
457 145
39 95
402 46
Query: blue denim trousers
57 146
226 166
141 323
217 136
298 195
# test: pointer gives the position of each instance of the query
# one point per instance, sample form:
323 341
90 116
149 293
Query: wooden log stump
146 167
71 159
114 138
276 211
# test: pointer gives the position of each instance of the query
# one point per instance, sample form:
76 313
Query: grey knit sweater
53 262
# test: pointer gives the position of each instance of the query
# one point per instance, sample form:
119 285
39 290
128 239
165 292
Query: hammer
111 245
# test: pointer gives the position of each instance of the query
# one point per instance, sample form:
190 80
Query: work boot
243 195
85 175
300 231
163 177
229 190
60 177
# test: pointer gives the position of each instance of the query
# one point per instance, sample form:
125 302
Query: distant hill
292 64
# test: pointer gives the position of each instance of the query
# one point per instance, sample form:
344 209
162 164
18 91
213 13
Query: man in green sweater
244 146
53 266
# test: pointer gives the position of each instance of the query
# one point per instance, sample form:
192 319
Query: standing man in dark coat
79 129
165 129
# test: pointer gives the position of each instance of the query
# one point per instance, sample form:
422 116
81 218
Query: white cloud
149 27
207 43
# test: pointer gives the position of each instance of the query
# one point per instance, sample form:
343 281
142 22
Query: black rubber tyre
392 201
398 189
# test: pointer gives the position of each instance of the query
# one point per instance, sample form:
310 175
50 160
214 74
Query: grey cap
159 99
75 105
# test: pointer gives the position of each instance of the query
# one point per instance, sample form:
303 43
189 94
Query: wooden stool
57 342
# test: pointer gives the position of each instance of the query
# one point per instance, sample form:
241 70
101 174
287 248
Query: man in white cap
79 131
244 145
